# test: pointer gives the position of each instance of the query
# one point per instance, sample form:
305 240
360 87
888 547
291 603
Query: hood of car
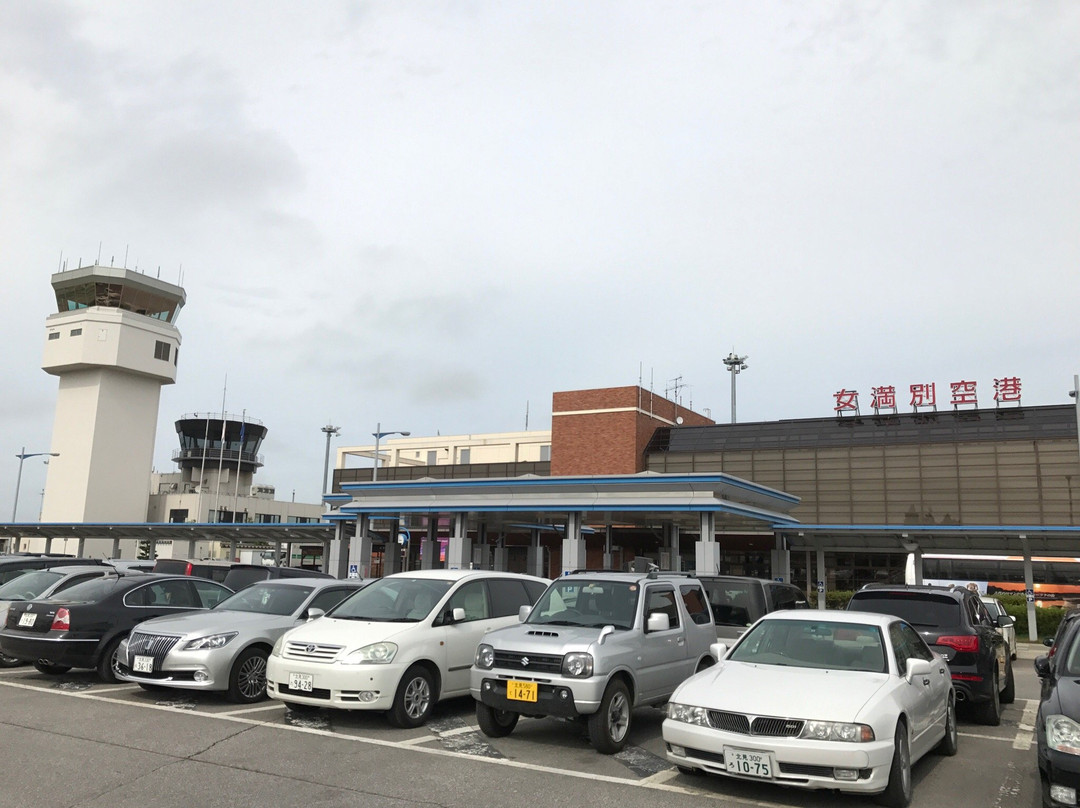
775 690
546 638
203 622
349 633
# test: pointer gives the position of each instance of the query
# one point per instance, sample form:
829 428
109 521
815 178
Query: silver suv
595 646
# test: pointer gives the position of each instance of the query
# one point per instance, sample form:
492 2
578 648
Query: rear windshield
90 591
240 577
173 566
30 585
266 599
920 609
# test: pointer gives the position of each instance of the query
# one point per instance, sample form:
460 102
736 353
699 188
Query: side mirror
718 650
658 621
1004 621
523 613
1049 642
917 667
314 613
1042 666
458 615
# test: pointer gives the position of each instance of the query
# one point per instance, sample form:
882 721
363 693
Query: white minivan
400 644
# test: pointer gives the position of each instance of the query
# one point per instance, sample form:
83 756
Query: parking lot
73 741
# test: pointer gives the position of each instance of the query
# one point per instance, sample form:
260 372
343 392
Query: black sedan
82 627
1057 726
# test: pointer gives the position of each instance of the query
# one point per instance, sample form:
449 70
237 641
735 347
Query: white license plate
749 764
27 618
143 664
300 681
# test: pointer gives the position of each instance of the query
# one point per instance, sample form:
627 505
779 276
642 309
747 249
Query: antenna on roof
526 415
98 262
60 263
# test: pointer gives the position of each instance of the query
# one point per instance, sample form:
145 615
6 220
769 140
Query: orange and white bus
1056 579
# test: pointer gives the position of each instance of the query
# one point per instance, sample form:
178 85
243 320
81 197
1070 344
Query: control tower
113 343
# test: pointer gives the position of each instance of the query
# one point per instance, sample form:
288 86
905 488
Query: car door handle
926 682
681 641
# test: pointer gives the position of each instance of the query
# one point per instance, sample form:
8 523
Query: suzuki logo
524 662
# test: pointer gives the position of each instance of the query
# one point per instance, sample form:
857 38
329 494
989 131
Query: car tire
948 744
414 700
51 670
106 667
989 712
897 793
495 723
10 661
610 725
1008 695
149 688
247 679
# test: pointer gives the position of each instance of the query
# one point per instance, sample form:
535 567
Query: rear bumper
54 650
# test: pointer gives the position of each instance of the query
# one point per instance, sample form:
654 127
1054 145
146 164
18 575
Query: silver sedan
225 648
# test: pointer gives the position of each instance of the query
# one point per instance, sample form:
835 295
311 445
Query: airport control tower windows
161 350
117 296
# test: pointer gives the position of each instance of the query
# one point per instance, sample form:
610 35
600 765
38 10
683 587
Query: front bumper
189 670
1060 770
344 687
558 696
798 762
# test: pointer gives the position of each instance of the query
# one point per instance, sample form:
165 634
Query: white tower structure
113 342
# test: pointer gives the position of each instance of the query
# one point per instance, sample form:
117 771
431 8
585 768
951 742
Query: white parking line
114 688
984 737
245 711
1025 733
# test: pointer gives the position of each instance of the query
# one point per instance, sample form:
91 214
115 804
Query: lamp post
330 431
23 455
735 364
379 435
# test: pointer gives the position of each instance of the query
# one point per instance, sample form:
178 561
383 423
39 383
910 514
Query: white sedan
819 700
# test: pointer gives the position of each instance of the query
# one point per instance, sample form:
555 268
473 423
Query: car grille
534 663
761 725
311 651
154 645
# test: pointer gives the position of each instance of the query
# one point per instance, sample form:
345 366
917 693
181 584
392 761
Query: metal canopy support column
707 550
429 546
534 561
501 555
80 547
608 558
458 551
573 546
822 579
233 554
781 560
391 557
676 559
190 549
481 550
325 565
337 559
360 546
116 548
1029 590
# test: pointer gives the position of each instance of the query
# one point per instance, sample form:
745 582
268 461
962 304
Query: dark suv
738 601
956 625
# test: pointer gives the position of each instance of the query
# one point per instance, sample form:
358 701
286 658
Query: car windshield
588 603
993 607
730 601
29 585
813 644
920 609
264 599
393 600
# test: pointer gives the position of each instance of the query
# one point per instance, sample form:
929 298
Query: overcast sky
433 215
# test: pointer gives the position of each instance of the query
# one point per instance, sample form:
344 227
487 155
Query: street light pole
735 364
379 435
330 431
18 479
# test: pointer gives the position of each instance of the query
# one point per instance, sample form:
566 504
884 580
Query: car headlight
276 650
207 643
1063 734
688 714
577 664
378 653
485 656
836 731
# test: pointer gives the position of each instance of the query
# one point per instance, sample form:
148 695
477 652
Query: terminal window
161 350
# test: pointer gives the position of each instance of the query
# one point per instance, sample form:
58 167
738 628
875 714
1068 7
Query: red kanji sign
924 395
846 400
963 393
1007 389
884 397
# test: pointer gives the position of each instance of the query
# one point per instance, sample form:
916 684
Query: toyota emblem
310 649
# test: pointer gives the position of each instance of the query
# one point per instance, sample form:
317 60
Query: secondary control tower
113 343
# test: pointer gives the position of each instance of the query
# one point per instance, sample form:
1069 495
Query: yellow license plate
521 691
